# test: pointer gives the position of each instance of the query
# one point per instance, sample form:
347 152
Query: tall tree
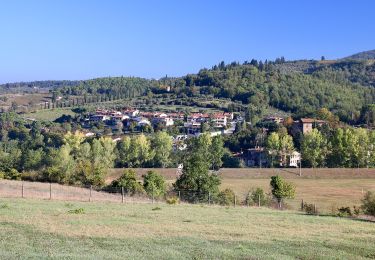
314 148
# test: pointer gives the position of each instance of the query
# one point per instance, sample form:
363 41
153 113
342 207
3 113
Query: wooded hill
301 87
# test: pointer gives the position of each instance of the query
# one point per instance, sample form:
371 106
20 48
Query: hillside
298 87
364 55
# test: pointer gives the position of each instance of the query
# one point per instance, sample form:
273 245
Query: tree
279 145
368 203
162 143
141 149
129 182
196 182
124 153
286 148
154 184
314 148
273 146
281 189
217 152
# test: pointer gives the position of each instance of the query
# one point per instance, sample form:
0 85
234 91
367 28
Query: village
187 125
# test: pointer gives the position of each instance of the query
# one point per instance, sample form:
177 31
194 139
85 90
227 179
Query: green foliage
226 197
110 88
344 212
282 189
77 211
273 84
257 197
314 148
310 209
195 177
368 203
154 184
129 182
172 200
162 144
279 147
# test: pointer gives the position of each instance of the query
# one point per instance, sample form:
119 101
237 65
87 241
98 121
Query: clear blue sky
81 39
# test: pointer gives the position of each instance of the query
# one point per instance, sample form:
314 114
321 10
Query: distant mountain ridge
364 55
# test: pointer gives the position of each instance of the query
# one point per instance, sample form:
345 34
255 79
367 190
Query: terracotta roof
311 120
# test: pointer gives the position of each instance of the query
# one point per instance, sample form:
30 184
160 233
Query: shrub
154 184
344 212
368 203
129 182
356 210
2 175
256 196
310 209
226 197
12 174
282 189
77 211
173 200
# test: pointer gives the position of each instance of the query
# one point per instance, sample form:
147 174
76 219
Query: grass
39 229
49 114
327 188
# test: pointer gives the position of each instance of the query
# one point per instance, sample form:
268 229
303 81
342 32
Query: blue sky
63 39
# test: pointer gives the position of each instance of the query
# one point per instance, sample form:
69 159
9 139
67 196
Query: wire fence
54 191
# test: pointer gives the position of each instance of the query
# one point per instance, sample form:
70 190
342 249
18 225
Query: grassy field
327 188
49 114
41 229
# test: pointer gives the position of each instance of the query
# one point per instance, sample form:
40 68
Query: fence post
302 205
90 193
50 191
122 194
22 191
209 198
259 200
179 195
235 200
152 194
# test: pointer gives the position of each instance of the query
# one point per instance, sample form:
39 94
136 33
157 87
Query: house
274 119
131 112
255 157
219 120
99 117
294 159
306 125
141 121
166 121
192 128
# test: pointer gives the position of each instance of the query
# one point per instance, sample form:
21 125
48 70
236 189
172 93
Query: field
49 114
327 188
39 229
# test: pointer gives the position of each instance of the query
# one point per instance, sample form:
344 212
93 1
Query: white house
294 159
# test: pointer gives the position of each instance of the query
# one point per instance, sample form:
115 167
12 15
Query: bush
226 197
12 174
129 182
173 200
2 175
77 211
310 209
255 196
368 203
344 212
154 184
